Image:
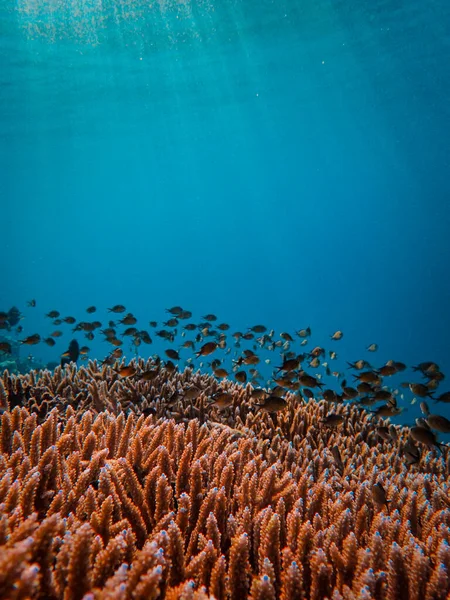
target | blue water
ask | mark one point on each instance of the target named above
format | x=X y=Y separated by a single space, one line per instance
x=277 y=162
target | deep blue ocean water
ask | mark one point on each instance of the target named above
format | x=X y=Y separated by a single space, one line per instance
x=284 y=163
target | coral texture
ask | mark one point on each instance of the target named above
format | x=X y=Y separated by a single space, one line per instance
x=117 y=488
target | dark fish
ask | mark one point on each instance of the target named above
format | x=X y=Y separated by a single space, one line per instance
x=333 y=420
x=369 y=377
x=439 y=423
x=31 y=340
x=387 y=370
x=206 y=349
x=31 y=303
x=127 y=371
x=290 y=364
x=241 y=376
x=145 y=337
x=222 y=400
x=258 y=329
x=175 y=310
x=379 y=494
x=286 y=336
x=50 y=341
x=421 y=390
x=425 y=408
x=337 y=458
x=53 y=314
x=210 y=317
x=5 y=347
x=171 y=322
x=445 y=397
x=129 y=319
x=185 y=314
x=72 y=353
x=172 y=354
x=14 y=316
x=91 y=309
x=273 y=404
x=309 y=381
x=149 y=375
x=118 y=308
x=424 y=436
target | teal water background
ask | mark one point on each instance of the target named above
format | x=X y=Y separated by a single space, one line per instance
x=277 y=162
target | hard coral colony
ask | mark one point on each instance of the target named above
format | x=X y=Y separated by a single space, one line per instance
x=121 y=487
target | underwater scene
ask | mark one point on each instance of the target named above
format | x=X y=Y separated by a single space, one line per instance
x=224 y=309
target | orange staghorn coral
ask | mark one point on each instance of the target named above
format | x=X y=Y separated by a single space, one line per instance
x=116 y=488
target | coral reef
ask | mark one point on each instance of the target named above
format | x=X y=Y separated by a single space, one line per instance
x=141 y=487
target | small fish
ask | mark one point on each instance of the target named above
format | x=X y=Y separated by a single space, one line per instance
x=50 y=341
x=369 y=377
x=173 y=354
x=333 y=420
x=149 y=375
x=220 y=373
x=358 y=365
x=31 y=340
x=445 y=397
x=372 y=347
x=127 y=371
x=222 y=400
x=421 y=390
x=91 y=309
x=424 y=436
x=337 y=335
x=207 y=349
x=175 y=310
x=387 y=370
x=337 y=458
x=69 y=320
x=56 y=334
x=304 y=332
x=330 y=396
x=439 y=423
x=384 y=433
x=191 y=393
x=424 y=408
x=379 y=495
x=290 y=364
x=273 y=404
x=309 y=381
x=71 y=355
x=258 y=329
x=185 y=314
x=5 y=347
x=53 y=314
x=129 y=319
x=118 y=308
x=241 y=376
x=210 y=317
x=171 y=322
x=31 y=303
